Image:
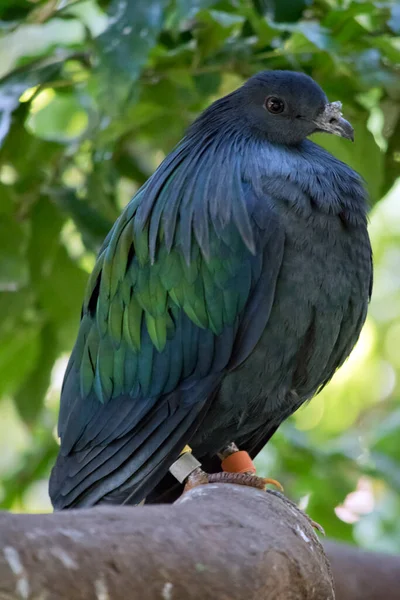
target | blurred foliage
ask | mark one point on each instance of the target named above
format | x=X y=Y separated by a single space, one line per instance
x=92 y=96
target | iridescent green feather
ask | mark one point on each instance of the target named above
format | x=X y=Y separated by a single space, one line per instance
x=88 y=361
x=191 y=271
x=103 y=379
x=158 y=294
x=120 y=258
x=115 y=320
x=141 y=243
x=171 y=272
x=130 y=370
x=157 y=329
x=177 y=294
x=92 y=281
x=142 y=288
x=145 y=364
x=194 y=303
x=132 y=324
x=214 y=302
x=85 y=327
x=120 y=359
x=231 y=302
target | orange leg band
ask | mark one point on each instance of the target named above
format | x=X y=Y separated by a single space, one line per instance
x=238 y=462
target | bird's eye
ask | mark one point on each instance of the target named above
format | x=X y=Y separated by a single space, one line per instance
x=274 y=105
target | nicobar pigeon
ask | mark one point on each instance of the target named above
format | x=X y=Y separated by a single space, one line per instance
x=228 y=292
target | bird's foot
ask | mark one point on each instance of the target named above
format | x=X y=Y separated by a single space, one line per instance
x=238 y=462
x=200 y=477
x=237 y=468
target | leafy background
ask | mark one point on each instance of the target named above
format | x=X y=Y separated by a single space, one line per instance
x=92 y=96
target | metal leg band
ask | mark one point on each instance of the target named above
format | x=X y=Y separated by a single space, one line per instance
x=184 y=466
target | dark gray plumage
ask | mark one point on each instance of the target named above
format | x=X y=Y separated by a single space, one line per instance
x=233 y=286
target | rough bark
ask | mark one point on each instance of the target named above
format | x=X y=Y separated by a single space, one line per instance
x=220 y=542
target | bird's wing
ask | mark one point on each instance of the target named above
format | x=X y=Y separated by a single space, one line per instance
x=167 y=307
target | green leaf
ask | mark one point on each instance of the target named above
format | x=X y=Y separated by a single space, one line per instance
x=60 y=295
x=90 y=14
x=389 y=46
x=307 y=36
x=61 y=117
x=14 y=9
x=13 y=87
x=13 y=263
x=372 y=72
x=282 y=11
x=188 y=9
x=91 y=224
x=392 y=158
x=208 y=83
x=34 y=464
x=18 y=354
x=31 y=40
x=394 y=21
x=46 y=224
x=30 y=395
x=214 y=27
x=123 y=49
x=101 y=186
x=44 y=155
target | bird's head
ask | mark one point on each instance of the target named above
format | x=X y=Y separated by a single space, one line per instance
x=287 y=107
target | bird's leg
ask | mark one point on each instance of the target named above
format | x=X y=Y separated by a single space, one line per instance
x=228 y=451
x=237 y=468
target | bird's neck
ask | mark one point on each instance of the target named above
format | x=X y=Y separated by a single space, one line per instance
x=220 y=173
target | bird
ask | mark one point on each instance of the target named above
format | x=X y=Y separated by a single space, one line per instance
x=227 y=294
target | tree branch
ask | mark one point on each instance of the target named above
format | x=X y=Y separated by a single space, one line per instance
x=360 y=574
x=220 y=542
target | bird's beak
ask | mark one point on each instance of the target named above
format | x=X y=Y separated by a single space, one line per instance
x=331 y=121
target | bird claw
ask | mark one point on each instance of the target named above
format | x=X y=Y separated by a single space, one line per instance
x=317 y=526
x=200 y=477
x=275 y=482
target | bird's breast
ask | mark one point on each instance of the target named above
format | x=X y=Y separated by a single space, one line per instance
x=318 y=309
